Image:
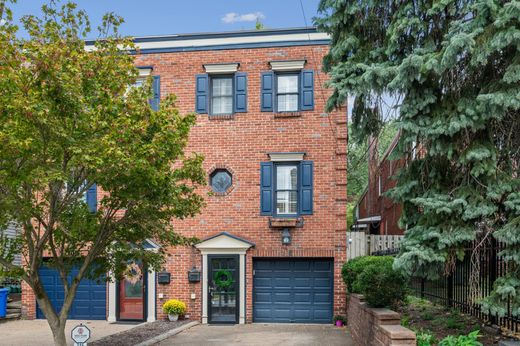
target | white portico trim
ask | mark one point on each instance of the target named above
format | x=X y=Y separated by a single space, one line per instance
x=150 y=291
x=224 y=244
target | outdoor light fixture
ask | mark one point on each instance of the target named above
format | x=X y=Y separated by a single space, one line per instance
x=286 y=237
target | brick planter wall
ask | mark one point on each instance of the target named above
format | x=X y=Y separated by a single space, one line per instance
x=376 y=327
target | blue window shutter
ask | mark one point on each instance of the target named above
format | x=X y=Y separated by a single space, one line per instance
x=307 y=92
x=306 y=187
x=240 y=92
x=156 y=87
x=201 y=93
x=267 y=91
x=266 y=188
x=92 y=198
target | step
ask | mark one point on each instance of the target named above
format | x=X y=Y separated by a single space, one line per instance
x=14 y=305
x=14 y=310
x=14 y=316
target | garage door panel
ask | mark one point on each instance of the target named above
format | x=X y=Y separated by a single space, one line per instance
x=263 y=282
x=322 y=283
x=302 y=314
x=302 y=283
x=301 y=290
x=281 y=283
x=322 y=298
x=322 y=266
x=302 y=298
x=302 y=266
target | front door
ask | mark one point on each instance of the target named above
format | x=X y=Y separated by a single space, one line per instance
x=131 y=297
x=223 y=278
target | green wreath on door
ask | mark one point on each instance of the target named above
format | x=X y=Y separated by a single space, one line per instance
x=223 y=279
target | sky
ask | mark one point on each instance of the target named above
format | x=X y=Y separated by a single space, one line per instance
x=163 y=17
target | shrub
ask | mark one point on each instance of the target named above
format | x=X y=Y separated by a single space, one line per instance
x=381 y=285
x=354 y=267
x=462 y=340
x=425 y=338
x=174 y=307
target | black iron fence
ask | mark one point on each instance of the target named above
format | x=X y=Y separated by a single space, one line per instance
x=481 y=267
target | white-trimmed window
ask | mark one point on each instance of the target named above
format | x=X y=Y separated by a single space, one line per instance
x=286 y=189
x=287 y=92
x=221 y=95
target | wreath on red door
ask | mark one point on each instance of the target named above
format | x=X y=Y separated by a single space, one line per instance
x=223 y=279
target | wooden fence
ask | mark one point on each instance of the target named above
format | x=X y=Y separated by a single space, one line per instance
x=361 y=244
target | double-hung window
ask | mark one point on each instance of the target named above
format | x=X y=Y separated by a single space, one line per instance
x=286 y=191
x=286 y=186
x=288 y=87
x=221 y=95
x=287 y=92
x=222 y=90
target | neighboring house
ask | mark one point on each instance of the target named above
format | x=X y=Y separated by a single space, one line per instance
x=12 y=232
x=375 y=213
x=273 y=233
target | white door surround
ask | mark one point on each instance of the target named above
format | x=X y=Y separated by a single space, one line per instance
x=150 y=292
x=224 y=244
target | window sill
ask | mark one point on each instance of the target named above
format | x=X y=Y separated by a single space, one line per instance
x=217 y=117
x=285 y=222
x=288 y=115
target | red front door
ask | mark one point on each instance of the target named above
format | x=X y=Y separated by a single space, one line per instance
x=131 y=300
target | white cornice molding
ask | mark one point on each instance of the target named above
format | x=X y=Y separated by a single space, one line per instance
x=145 y=72
x=286 y=157
x=289 y=65
x=221 y=68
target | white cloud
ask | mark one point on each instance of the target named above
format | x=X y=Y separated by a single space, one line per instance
x=233 y=17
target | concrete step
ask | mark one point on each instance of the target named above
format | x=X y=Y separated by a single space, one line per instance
x=14 y=305
x=14 y=316
x=14 y=310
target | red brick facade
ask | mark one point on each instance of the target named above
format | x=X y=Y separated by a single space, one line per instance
x=373 y=203
x=240 y=143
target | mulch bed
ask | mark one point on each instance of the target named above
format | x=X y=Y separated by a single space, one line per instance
x=138 y=334
x=419 y=314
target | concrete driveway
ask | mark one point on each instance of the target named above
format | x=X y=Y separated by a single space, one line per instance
x=37 y=332
x=262 y=334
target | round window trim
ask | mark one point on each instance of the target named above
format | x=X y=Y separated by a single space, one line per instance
x=221 y=180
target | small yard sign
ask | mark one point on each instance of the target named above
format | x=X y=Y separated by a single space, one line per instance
x=80 y=334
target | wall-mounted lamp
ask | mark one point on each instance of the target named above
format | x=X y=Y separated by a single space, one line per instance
x=286 y=237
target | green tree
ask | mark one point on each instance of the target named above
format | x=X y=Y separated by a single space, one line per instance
x=70 y=118
x=456 y=65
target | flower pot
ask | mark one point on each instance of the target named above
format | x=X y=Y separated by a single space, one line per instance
x=339 y=323
x=173 y=317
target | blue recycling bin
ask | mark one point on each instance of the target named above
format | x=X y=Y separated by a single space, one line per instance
x=3 y=301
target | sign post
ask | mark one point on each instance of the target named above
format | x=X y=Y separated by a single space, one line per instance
x=80 y=335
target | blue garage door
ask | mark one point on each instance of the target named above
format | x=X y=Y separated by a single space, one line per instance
x=293 y=290
x=90 y=300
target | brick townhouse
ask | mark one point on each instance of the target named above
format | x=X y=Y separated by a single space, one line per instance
x=272 y=237
x=376 y=213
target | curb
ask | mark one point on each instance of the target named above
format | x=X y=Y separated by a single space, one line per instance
x=168 y=334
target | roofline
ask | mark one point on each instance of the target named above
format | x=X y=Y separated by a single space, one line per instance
x=222 y=34
x=229 y=235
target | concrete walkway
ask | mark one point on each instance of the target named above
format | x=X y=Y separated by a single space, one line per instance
x=37 y=332
x=262 y=334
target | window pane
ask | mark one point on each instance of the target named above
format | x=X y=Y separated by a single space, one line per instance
x=286 y=177
x=287 y=103
x=286 y=202
x=222 y=87
x=222 y=105
x=287 y=84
